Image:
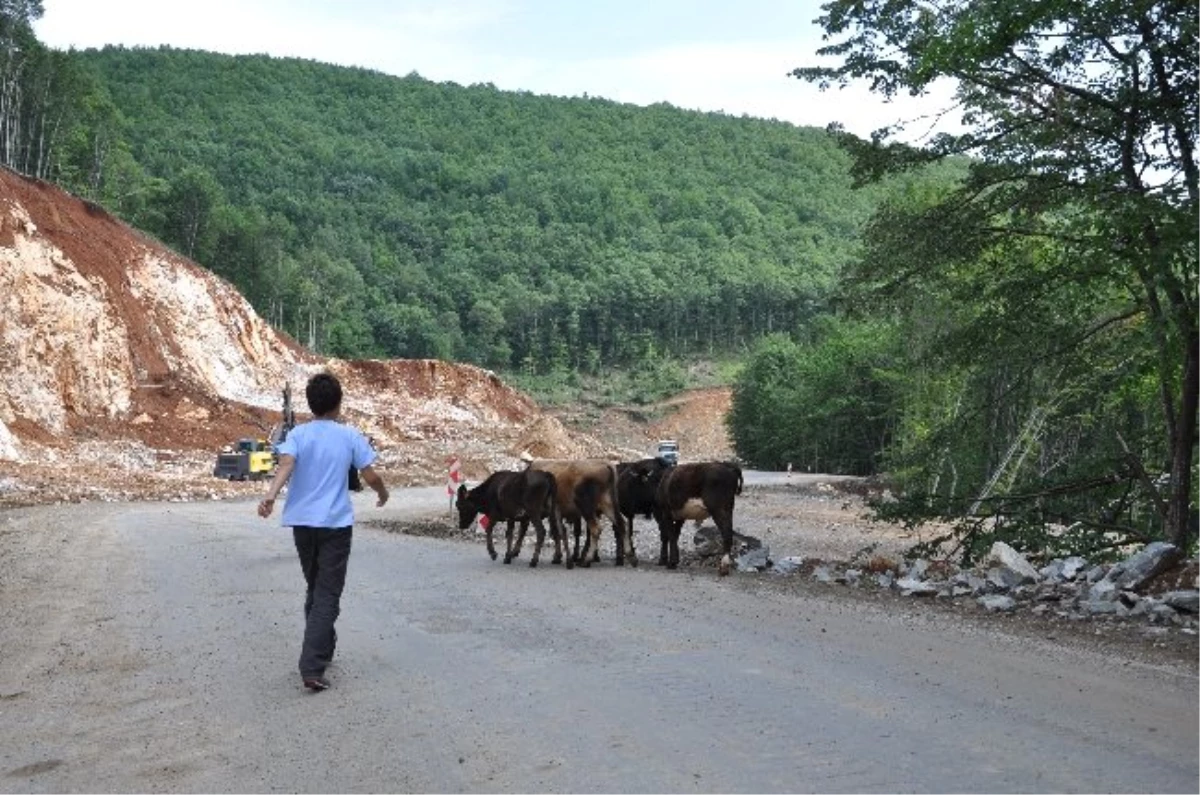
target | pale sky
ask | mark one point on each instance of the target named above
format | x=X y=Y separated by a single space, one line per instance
x=730 y=56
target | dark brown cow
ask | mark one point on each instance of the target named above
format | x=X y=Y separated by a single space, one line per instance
x=637 y=486
x=515 y=497
x=587 y=490
x=696 y=491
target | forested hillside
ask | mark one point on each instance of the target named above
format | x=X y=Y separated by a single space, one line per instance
x=375 y=215
x=1020 y=353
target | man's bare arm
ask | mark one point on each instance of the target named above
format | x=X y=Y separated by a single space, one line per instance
x=372 y=479
x=283 y=472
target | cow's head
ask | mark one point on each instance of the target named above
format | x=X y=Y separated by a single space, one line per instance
x=646 y=475
x=651 y=470
x=468 y=505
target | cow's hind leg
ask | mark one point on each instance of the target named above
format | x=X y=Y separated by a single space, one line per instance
x=586 y=510
x=540 y=529
x=625 y=538
x=556 y=536
x=673 y=544
x=664 y=535
x=575 y=523
x=508 y=545
x=593 y=543
x=521 y=538
x=562 y=544
x=491 y=549
x=619 y=534
x=724 y=522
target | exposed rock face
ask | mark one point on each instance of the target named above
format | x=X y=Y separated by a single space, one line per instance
x=8 y=443
x=107 y=336
x=94 y=314
x=61 y=349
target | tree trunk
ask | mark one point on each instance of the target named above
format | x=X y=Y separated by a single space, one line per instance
x=1179 y=501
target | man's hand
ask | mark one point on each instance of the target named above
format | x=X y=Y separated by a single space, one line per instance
x=372 y=479
x=283 y=473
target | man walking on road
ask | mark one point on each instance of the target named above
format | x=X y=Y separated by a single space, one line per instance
x=316 y=457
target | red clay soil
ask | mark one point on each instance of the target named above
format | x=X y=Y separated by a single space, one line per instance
x=696 y=419
x=98 y=244
x=420 y=411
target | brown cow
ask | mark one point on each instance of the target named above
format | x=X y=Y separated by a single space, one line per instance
x=696 y=491
x=587 y=490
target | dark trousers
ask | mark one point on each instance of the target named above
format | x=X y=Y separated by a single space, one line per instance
x=324 y=553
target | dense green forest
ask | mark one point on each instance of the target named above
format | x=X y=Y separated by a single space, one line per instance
x=371 y=215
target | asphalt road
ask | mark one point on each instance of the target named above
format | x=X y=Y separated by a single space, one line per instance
x=152 y=647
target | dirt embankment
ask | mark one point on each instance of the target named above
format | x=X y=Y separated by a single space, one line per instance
x=127 y=367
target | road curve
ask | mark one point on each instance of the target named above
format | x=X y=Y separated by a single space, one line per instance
x=152 y=647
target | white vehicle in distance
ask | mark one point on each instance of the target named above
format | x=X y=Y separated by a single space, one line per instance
x=668 y=450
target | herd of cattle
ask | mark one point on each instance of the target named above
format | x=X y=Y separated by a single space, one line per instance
x=581 y=492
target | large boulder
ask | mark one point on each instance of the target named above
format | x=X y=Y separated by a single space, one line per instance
x=1131 y=573
x=1183 y=601
x=1015 y=568
x=910 y=586
x=787 y=565
x=708 y=542
x=1103 y=591
x=1073 y=567
x=973 y=583
x=997 y=603
x=757 y=559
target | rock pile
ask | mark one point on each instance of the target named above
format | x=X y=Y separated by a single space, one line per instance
x=1071 y=588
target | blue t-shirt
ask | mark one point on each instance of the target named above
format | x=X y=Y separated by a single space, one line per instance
x=319 y=490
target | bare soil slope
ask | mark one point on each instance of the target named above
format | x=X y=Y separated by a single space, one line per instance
x=128 y=366
x=695 y=418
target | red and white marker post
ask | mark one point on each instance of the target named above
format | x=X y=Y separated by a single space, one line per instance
x=453 y=478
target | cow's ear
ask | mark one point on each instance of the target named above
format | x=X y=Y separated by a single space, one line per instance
x=462 y=490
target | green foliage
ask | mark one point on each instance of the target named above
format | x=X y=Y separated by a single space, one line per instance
x=655 y=378
x=826 y=406
x=1049 y=302
x=519 y=232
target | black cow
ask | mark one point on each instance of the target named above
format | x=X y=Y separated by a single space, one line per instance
x=514 y=497
x=696 y=491
x=637 y=485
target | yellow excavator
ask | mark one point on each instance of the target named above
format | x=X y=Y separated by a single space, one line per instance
x=249 y=459
x=256 y=458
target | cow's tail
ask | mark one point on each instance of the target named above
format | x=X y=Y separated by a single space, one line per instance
x=619 y=526
x=550 y=507
x=738 y=470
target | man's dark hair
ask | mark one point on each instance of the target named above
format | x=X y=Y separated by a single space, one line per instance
x=324 y=394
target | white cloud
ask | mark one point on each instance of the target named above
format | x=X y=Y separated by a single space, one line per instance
x=750 y=78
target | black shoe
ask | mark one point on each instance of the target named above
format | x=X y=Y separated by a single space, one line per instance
x=316 y=683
